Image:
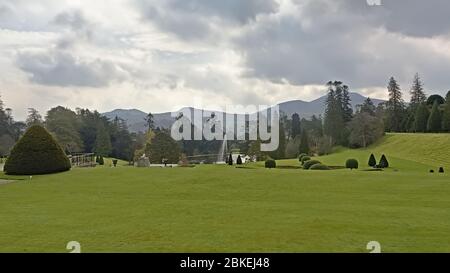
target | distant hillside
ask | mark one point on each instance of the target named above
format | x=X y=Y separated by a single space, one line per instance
x=136 y=118
x=317 y=107
x=413 y=152
x=428 y=149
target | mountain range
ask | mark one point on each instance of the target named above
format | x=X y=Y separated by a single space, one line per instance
x=135 y=118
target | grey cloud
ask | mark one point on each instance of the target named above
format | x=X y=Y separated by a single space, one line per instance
x=423 y=18
x=196 y=19
x=329 y=40
x=73 y=19
x=63 y=69
x=419 y=18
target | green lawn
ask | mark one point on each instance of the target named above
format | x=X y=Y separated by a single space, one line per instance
x=226 y=209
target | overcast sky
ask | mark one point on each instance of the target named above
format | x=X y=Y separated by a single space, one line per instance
x=157 y=55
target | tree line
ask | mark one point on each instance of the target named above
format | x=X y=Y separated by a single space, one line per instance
x=80 y=131
x=86 y=131
x=421 y=115
x=355 y=128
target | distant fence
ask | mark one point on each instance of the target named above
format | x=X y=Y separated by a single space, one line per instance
x=206 y=158
x=83 y=160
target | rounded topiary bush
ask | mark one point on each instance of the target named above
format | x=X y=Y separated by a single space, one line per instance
x=320 y=167
x=37 y=152
x=352 y=164
x=270 y=164
x=308 y=164
x=300 y=157
x=305 y=158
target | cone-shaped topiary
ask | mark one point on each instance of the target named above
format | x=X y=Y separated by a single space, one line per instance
x=230 y=160
x=239 y=160
x=37 y=152
x=384 y=162
x=372 y=161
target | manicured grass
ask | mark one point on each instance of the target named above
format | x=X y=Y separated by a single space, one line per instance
x=229 y=209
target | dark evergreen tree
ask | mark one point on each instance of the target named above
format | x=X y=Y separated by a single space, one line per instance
x=149 y=119
x=230 y=160
x=295 y=126
x=304 y=143
x=34 y=118
x=102 y=145
x=372 y=161
x=421 y=118
x=446 y=114
x=435 y=120
x=64 y=124
x=347 y=108
x=417 y=92
x=431 y=99
x=395 y=107
x=368 y=107
x=334 y=124
x=163 y=146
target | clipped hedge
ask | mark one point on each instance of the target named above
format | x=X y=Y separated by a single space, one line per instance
x=320 y=167
x=305 y=158
x=37 y=152
x=352 y=164
x=270 y=164
x=308 y=164
x=300 y=157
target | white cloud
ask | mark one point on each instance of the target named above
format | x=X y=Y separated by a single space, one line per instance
x=156 y=55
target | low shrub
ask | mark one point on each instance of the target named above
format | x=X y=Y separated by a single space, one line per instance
x=301 y=156
x=431 y=171
x=308 y=164
x=270 y=164
x=352 y=164
x=305 y=158
x=115 y=162
x=320 y=167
